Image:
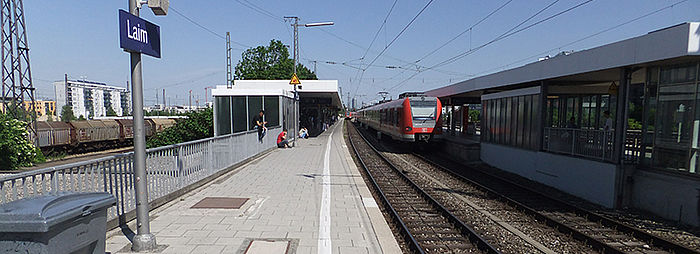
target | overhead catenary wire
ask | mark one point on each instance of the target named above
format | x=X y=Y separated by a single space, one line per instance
x=501 y=37
x=260 y=10
x=586 y=37
x=394 y=39
x=190 y=80
x=465 y=31
x=361 y=70
x=401 y=32
x=205 y=28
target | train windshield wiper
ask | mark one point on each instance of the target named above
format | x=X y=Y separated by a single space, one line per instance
x=429 y=117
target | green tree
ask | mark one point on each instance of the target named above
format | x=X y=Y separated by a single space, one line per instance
x=81 y=118
x=197 y=125
x=271 y=62
x=49 y=117
x=110 y=112
x=67 y=113
x=15 y=148
x=474 y=115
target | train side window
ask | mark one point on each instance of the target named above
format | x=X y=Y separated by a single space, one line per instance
x=396 y=117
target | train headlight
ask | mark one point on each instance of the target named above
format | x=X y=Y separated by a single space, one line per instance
x=408 y=128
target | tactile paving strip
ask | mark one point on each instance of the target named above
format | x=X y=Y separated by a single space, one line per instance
x=220 y=203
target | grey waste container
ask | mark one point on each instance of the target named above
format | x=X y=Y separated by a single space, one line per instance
x=62 y=223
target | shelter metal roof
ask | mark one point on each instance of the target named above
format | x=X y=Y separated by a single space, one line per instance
x=673 y=42
x=310 y=88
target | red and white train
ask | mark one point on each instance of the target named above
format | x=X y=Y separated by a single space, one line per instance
x=413 y=117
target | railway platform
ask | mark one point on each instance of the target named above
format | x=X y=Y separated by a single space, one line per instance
x=307 y=199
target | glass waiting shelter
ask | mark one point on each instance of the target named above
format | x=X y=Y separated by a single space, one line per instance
x=671 y=120
x=235 y=109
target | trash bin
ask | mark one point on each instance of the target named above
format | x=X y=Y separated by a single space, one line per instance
x=61 y=223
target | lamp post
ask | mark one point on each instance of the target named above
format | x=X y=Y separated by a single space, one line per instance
x=296 y=26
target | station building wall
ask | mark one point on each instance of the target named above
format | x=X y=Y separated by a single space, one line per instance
x=666 y=195
x=591 y=180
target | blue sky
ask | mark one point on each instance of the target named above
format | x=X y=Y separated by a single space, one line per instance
x=80 y=38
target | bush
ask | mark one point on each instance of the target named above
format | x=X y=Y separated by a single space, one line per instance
x=15 y=148
x=197 y=125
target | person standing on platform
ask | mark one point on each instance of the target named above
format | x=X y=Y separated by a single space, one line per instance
x=608 y=125
x=282 y=140
x=572 y=123
x=259 y=122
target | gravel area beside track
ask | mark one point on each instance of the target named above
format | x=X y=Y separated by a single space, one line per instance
x=622 y=241
x=506 y=240
x=660 y=227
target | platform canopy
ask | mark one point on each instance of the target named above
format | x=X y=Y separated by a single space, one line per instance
x=666 y=45
x=309 y=89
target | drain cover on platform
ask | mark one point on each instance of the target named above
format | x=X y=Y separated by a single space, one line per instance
x=267 y=247
x=220 y=203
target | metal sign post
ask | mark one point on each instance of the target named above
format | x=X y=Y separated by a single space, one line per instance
x=138 y=36
x=296 y=60
x=295 y=82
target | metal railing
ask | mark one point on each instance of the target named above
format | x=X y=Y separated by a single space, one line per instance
x=596 y=144
x=633 y=146
x=169 y=169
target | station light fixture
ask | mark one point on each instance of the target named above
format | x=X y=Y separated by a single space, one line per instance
x=159 y=7
x=319 y=24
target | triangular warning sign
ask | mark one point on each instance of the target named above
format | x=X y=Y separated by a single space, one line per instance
x=295 y=80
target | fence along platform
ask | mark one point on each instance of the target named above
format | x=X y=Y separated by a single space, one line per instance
x=170 y=169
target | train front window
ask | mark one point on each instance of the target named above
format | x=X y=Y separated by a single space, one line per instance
x=423 y=110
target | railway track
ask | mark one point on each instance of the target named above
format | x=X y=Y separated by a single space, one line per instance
x=545 y=224
x=426 y=226
x=605 y=234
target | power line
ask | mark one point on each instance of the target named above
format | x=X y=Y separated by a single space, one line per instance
x=501 y=37
x=205 y=28
x=190 y=80
x=508 y=34
x=401 y=32
x=380 y=28
x=361 y=70
x=588 y=36
x=465 y=31
x=394 y=40
x=260 y=10
x=406 y=62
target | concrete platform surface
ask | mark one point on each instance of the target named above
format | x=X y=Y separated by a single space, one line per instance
x=308 y=199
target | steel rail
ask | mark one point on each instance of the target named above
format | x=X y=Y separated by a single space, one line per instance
x=589 y=215
x=413 y=243
x=474 y=237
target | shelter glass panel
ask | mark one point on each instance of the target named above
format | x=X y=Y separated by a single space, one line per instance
x=239 y=114
x=501 y=120
x=272 y=108
x=254 y=106
x=675 y=123
x=521 y=121
x=671 y=123
x=535 y=124
x=507 y=120
x=223 y=116
x=511 y=121
x=484 y=124
x=649 y=123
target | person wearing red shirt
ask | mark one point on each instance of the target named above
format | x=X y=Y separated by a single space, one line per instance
x=282 y=140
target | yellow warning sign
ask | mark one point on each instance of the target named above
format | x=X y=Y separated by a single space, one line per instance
x=295 y=80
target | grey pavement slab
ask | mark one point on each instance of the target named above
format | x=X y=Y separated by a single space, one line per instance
x=286 y=201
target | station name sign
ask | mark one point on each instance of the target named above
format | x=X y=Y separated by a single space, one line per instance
x=138 y=35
